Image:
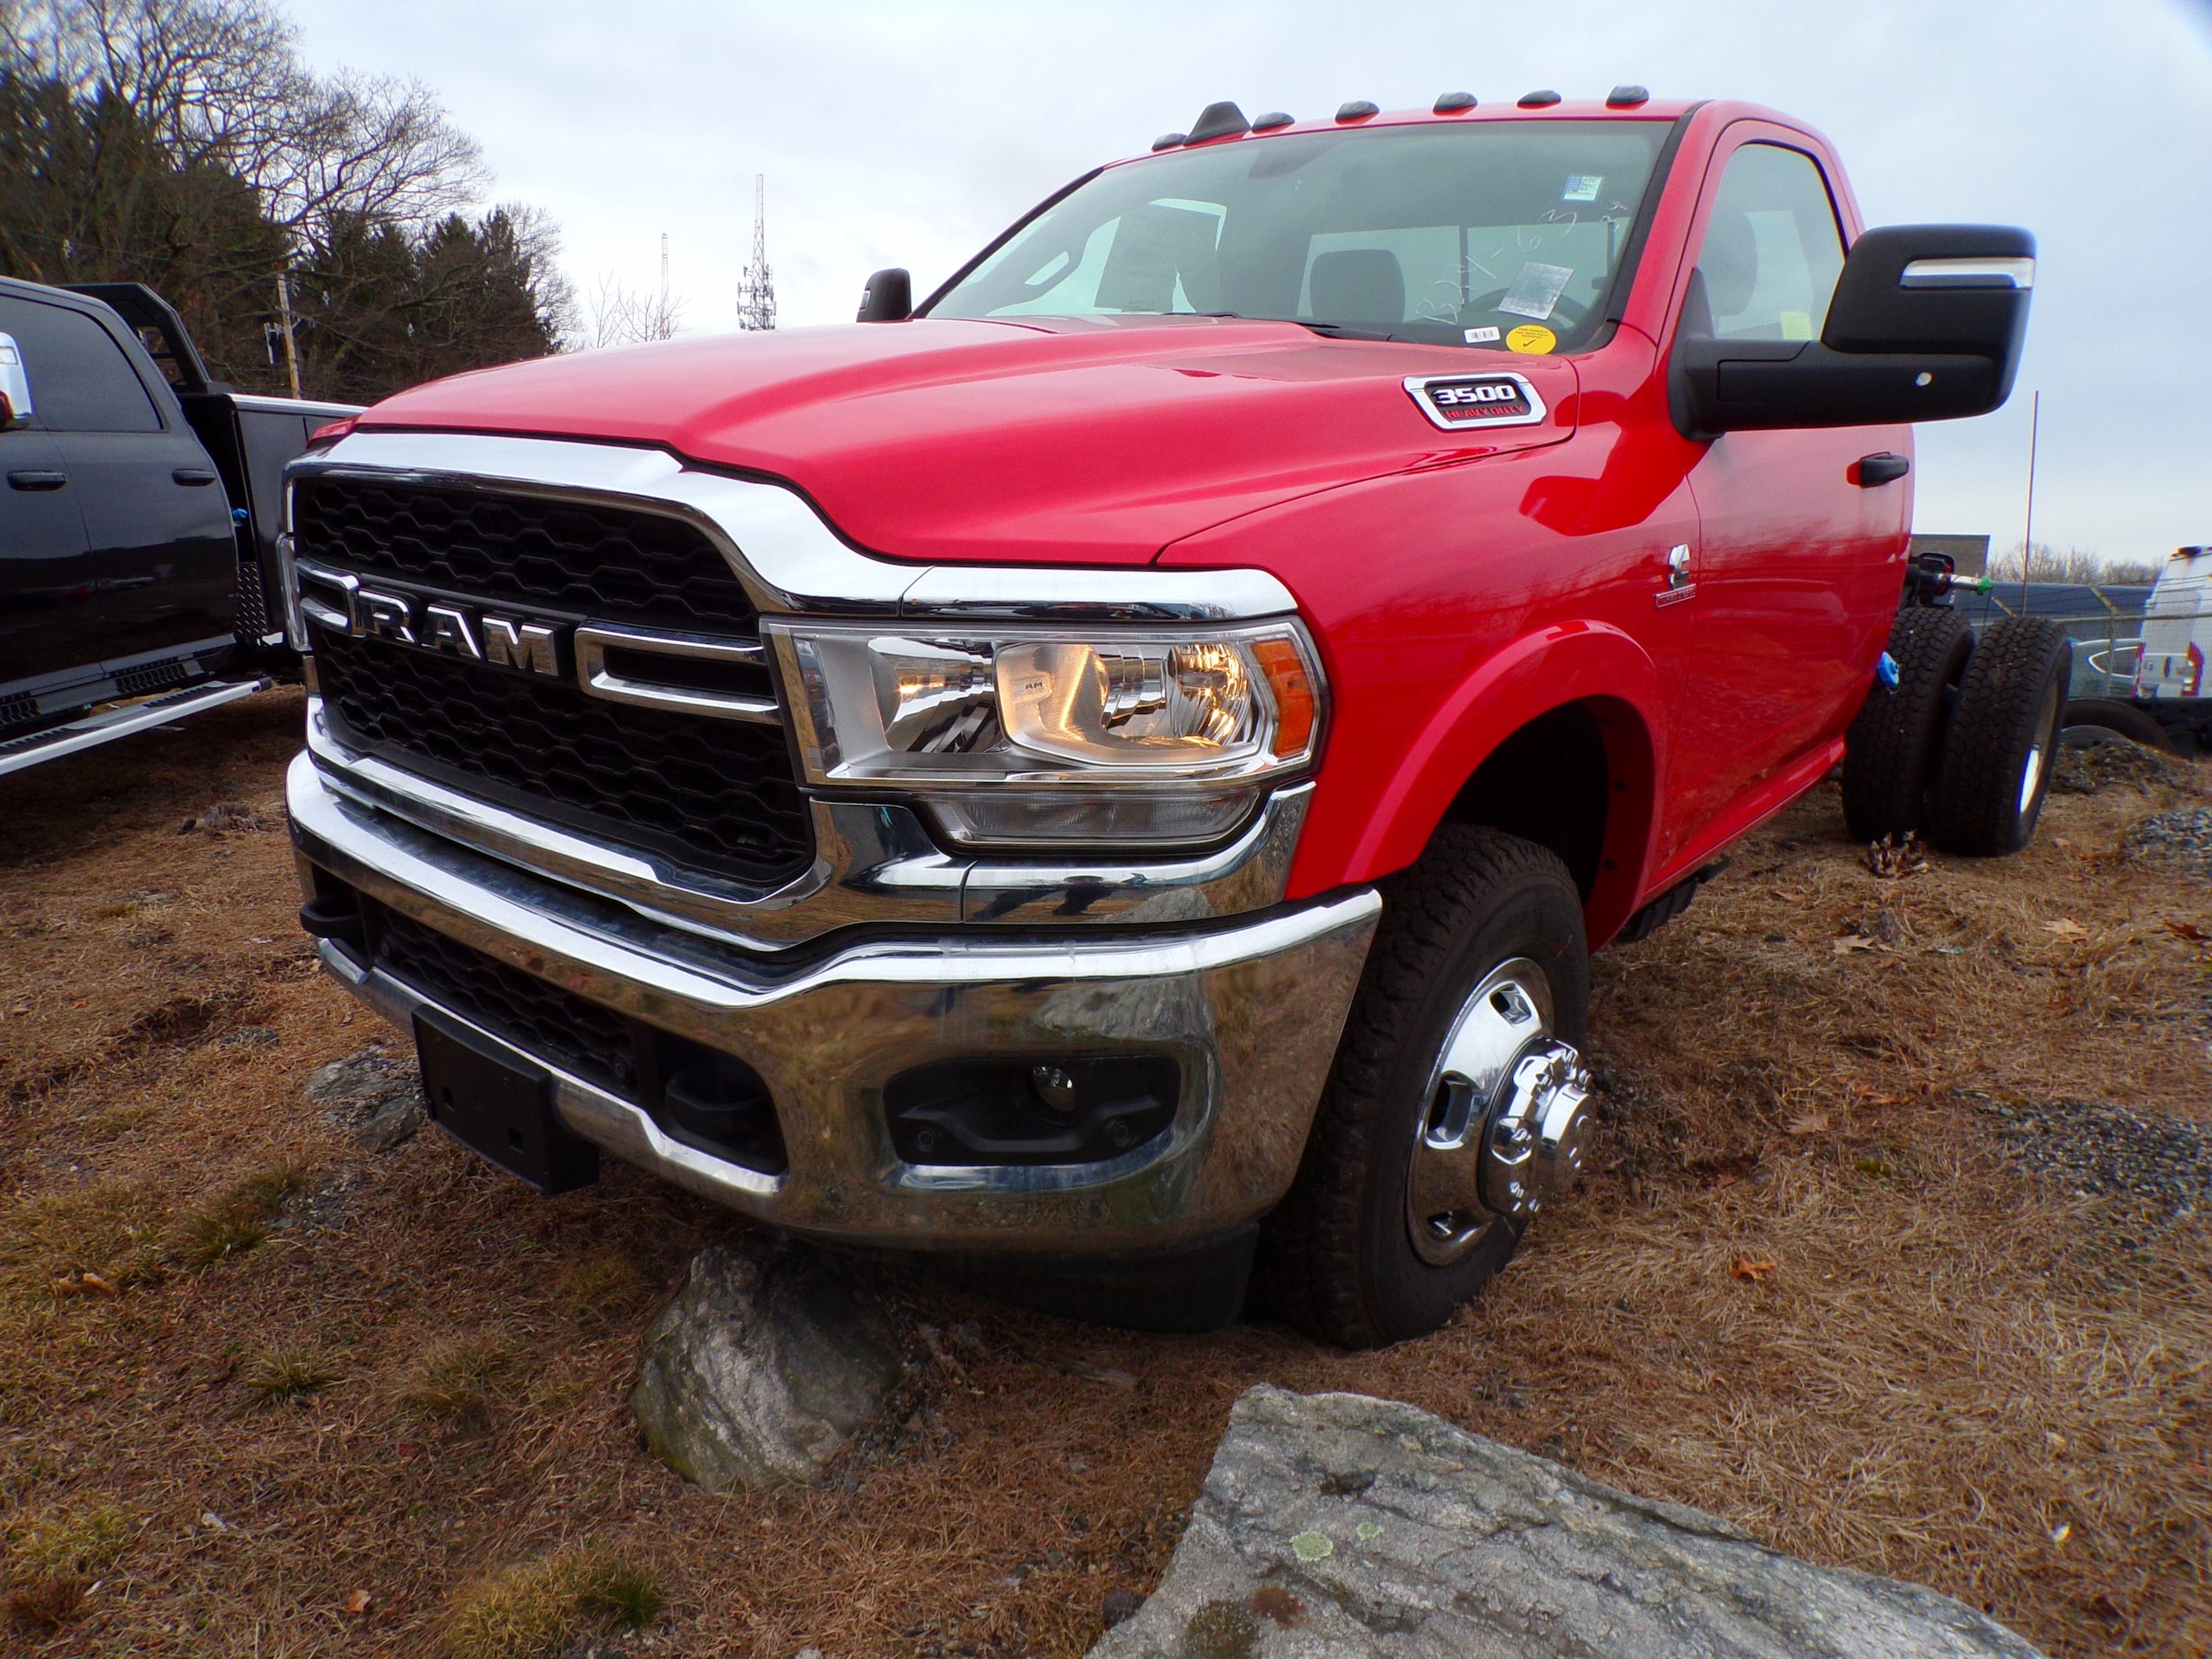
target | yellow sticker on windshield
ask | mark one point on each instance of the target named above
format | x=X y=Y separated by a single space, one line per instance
x=1530 y=339
x=1797 y=325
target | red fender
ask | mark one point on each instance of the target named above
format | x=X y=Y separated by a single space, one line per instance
x=1593 y=663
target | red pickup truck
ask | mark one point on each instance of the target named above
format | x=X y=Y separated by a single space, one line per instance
x=1113 y=775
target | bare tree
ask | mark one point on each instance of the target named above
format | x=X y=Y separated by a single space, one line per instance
x=616 y=315
x=220 y=83
x=183 y=143
x=2082 y=566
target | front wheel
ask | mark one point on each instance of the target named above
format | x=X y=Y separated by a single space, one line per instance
x=1456 y=1102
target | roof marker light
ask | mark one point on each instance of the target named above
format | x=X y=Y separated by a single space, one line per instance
x=1273 y=119
x=1453 y=102
x=1626 y=98
x=1217 y=121
x=1542 y=100
x=1358 y=109
x=1168 y=140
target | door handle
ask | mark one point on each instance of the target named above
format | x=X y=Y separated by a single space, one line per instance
x=193 y=475
x=1871 y=472
x=33 y=479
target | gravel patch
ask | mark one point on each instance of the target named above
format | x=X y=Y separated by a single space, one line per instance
x=2122 y=765
x=2179 y=841
x=2103 y=1151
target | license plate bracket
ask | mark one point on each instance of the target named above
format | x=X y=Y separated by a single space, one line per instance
x=498 y=1102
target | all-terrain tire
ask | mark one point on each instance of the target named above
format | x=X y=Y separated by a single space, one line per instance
x=1895 y=749
x=2004 y=738
x=1336 y=1259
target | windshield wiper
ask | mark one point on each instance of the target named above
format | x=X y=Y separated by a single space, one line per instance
x=1334 y=331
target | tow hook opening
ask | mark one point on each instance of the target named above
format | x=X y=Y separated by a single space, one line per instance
x=715 y=1102
x=334 y=914
x=1030 y=1109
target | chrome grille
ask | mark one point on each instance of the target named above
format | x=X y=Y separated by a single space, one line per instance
x=708 y=794
x=586 y=561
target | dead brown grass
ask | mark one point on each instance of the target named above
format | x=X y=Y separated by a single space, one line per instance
x=1952 y=1371
x=536 y=1610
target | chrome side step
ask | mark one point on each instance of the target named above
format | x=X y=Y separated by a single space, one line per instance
x=122 y=721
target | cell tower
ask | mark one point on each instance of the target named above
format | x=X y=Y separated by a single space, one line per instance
x=756 y=284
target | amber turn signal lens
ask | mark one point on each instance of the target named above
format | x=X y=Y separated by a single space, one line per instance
x=1293 y=687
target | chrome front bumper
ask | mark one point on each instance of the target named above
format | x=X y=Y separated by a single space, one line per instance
x=1251 y=1010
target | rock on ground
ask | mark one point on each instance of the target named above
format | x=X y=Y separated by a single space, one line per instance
x=372 y=1094
x=1341 y=1525
x=762 y=1367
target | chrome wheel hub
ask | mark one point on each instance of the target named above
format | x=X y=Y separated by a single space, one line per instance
x=2047 y=726
x=1503 y=1125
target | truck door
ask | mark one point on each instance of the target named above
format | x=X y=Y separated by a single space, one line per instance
x=157 y=568
x=41 y=543
x=1797 y=569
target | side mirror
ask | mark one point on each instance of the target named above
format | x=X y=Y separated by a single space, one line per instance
x=15 y=386
x=888 y=297
x=1927 y=324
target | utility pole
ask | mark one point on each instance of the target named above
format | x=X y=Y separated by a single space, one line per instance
x=756 y=284
x=2027 y=535
x=284 y=310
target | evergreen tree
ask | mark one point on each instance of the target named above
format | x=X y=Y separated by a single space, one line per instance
x=181 y=143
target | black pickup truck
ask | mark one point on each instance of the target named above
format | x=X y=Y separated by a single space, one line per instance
x=138 y=580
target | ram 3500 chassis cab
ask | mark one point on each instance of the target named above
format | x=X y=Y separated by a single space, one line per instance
x=1122 y=767
x=138 y=521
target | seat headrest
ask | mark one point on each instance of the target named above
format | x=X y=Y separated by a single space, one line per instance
x=1360 y=286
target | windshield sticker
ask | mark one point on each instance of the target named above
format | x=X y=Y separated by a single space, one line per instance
x=1797 y=325
x=1536 y=290
x=1531 y=339
x=1455 y=401
x=1484 y=336
x=1583 y=187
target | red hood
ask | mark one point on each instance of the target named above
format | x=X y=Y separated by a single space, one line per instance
x=1080 y=443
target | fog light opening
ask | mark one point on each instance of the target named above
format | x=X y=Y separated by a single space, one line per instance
x=1069 y=1110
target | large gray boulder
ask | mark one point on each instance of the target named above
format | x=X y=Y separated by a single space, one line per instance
x=372 y=1096
x=762 y=1367
x=1341 y=1525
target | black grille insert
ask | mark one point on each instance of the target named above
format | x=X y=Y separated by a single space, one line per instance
x=607 y=563
x=705 y=1099
x=537 y=1017
x=712 y=794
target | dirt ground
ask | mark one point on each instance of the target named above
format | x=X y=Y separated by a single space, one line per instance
x=264 y=1392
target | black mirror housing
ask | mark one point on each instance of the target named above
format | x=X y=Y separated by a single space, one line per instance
x=888 y=297
x=1927 y=324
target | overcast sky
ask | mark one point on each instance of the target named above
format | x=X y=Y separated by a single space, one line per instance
x=906 y=134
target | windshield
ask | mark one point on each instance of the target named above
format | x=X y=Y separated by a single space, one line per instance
x=1502 y=235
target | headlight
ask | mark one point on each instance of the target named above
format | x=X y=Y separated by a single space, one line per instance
x=1048 y=737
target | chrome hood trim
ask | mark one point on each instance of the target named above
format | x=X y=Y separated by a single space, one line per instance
x=790 y=559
